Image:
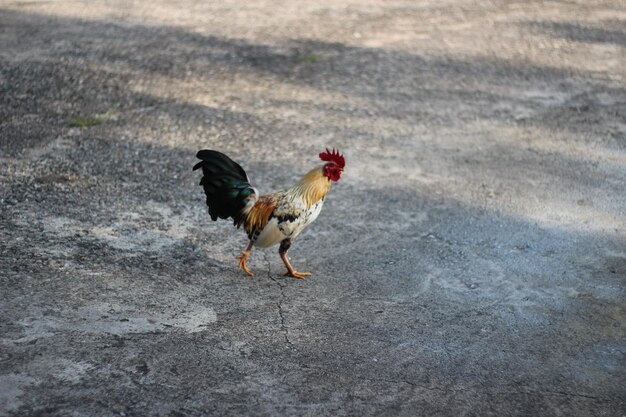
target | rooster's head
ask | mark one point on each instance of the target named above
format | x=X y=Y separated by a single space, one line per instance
x=335 y=164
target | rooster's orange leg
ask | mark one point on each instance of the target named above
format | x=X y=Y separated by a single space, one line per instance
x=284 y=246
x=244 y=257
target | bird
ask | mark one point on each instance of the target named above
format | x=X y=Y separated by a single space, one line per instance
x=268 y=219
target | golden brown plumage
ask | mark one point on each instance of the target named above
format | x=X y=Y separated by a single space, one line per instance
x=312 y=187
x=259 y=214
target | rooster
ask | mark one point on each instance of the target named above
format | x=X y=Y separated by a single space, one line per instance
x=268 y=219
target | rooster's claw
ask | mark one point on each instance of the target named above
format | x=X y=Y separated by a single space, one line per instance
x=242 y=262
x=298 y=275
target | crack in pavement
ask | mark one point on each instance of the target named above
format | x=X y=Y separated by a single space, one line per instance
x=568 y=394
x=404 y=381
x=283 y=324
x=521 y=391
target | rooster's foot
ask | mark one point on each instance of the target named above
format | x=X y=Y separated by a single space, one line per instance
x=296 y=274
x=242 y=262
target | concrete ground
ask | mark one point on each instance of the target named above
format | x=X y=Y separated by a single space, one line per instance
x=471 y=261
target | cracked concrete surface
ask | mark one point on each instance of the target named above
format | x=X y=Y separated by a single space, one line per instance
x=471 y=261
x=279 y=304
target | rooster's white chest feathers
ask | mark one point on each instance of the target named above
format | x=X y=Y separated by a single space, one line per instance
x=287 y=221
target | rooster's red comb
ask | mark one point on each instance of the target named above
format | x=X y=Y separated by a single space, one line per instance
x=333 y=156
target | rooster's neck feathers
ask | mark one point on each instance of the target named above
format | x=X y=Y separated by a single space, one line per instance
x=312 y=187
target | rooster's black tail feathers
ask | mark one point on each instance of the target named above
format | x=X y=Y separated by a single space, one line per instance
x=226 y=185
